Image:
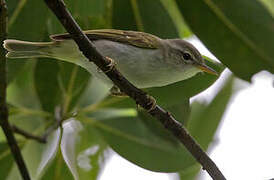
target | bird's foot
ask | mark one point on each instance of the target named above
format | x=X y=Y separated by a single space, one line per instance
x=111 y=65
x=151 y=104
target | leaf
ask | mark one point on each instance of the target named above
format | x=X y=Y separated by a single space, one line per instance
x=69 y=143
x=6 y=160
x=86 y=8
x=59 y=83
x=81 y=150
x=130 y=138
x=137 y=15
x=95 y=92
x=242 y=40
x=88 y=14
x=174 y=93
x=11 y=6
x=181 y=113
x=49 y=152
x=135 y=139
x=190 y=173
x=58 y=170
x=46 y=83
x=75 y=80
x=122 y=15
x=172 y=9
x=21 y=92
x=269 y=5
x=32 y=29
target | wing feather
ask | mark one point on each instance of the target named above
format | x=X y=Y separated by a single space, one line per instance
x=134 y=38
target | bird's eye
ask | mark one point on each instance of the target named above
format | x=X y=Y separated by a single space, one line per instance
x=186 y=56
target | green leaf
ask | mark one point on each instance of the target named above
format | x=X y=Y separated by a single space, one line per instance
x=95 y=92
x=49 y=152
x=135 y=139
x=86 y=8
x=137 y=15
x=233 y=32
x=46 y=83
x=73 y=81
x=21 y=91
x=59 y=83
x=181 y=113
x=172 y=8
x=129 y=137
x=58 y=170
x=6 y=160
x=23 y=26
x=88 y=14
x=122 y=15
x=269 y=5
x=71 y=129
x=81 y=150
x=189 y=173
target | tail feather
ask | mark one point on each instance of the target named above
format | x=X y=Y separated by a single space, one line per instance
x=25 y=49
x=25 y=54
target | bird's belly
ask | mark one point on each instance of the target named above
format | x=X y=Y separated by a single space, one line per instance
x=140 y=66
x=143 y=67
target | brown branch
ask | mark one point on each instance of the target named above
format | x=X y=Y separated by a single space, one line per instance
x=3 y=106
x=141 y=98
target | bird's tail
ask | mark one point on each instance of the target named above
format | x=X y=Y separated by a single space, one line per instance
x=25 y=49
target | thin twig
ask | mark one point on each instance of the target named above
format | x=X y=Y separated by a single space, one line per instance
x=28 y=135
x=141 y=98
x=3 y=106
x=49 y=130
x=58 y=122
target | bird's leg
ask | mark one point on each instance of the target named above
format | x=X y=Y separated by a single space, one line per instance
x=115 y=91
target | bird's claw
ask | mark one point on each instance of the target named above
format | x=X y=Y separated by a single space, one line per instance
x=111 y=65
x=152 y=104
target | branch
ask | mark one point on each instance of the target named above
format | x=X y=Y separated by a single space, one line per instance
x=28 y=135
x=141 y=98
x=3 y=106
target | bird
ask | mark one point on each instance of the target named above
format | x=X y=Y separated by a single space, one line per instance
x=144 y=59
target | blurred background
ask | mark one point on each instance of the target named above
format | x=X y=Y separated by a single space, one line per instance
x=105 y=137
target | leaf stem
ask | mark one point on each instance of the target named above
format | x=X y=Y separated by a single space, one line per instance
x=68 y=94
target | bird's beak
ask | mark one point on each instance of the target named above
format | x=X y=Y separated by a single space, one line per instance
x=207 y=69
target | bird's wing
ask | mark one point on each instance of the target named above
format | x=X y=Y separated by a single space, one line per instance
x=134 y=38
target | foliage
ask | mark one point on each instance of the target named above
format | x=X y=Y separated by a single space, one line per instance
x=237 y=32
